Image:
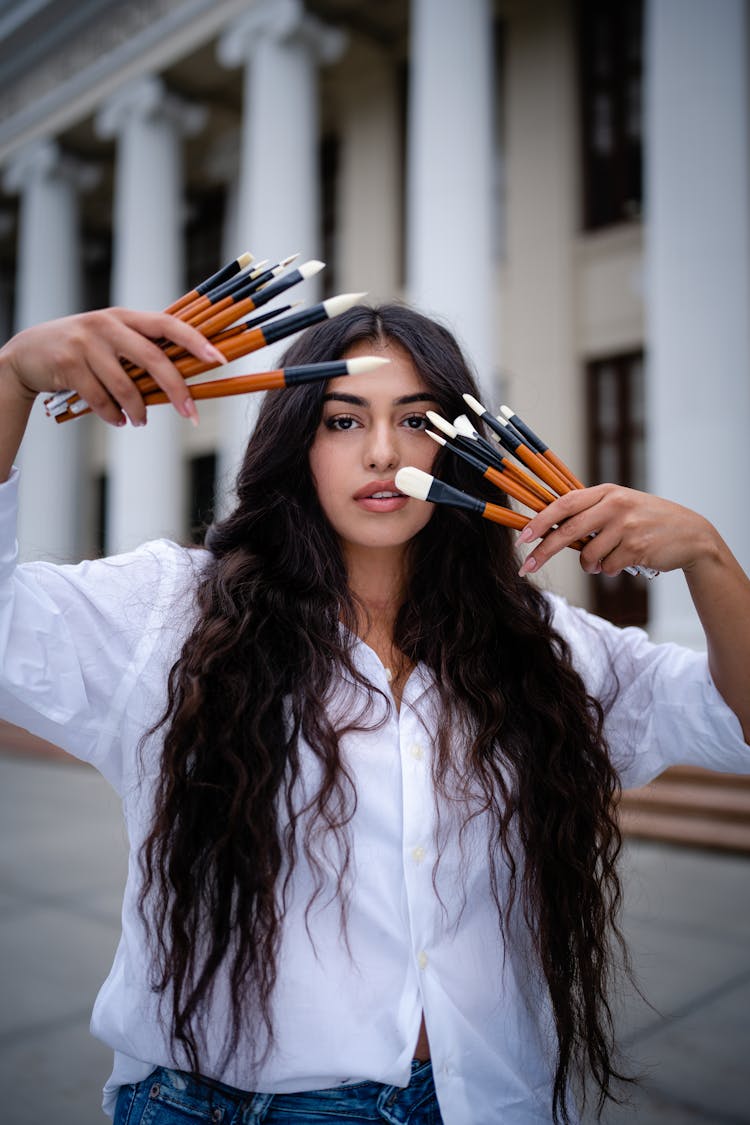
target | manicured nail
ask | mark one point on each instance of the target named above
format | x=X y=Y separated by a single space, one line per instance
x=213 y=354
x=526 y=536
x=190 y=411
x=527 y=566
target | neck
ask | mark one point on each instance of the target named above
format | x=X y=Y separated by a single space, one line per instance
x=377 y=580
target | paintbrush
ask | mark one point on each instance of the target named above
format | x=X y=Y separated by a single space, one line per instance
x=423 y=486
x=274 y=380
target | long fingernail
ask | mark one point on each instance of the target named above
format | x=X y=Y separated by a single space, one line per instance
x=526 y=535
x=190 y=411
x=528 y=565
x=213 y=354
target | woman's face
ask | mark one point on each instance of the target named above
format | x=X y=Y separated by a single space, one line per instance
x=371 y=426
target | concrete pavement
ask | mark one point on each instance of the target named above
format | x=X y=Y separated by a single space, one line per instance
x=62 y=867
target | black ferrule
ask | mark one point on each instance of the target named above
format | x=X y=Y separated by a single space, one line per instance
x=219 y=278
x=442 y=493
x=270 y=291
x=507 y=438
x=237 y=283
x=261 y=318
x=493 y=453
x=459 y=445
x=527 y=434
x=294 y=323
x=312 y=372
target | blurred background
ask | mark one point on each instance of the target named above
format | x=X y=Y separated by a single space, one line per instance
x=566 y=184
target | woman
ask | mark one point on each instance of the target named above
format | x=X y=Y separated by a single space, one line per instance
x=367 y=769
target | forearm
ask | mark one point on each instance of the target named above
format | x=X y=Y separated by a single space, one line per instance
x=15 y=407
x=720 y=590
x=621 y=527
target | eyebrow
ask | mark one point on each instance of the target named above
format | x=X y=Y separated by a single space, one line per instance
x=355 y=400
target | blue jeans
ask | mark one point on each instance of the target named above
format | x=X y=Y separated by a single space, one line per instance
x=171 y=1097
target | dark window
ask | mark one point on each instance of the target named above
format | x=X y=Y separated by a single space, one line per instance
x=101 y=513
x=97 y=269
x=201 y=495
x=617 y=454
x=611 y=82
x=203 y=235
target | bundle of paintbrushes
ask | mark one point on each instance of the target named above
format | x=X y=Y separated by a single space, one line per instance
x=216 y=308
x=504 y=462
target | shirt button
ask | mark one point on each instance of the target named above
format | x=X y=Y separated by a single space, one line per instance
x=422 y=959
x=418 y=855
x=416 y=751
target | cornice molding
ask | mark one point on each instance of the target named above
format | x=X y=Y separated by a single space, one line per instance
x=133 y=40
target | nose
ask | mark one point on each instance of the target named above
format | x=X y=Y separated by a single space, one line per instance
x=381 y=452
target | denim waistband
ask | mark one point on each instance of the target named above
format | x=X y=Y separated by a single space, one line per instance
x=168 y=1096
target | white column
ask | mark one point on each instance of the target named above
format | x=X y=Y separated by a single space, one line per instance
x=698 y=275
x=369 y=204
x=539 y=346
x=49 y=286
x=449 y=169
x=146 y=487
x=280 y=47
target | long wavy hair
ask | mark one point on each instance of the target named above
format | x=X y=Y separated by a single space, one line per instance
x=251 y=680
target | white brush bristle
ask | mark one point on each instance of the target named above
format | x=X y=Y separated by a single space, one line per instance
x=344 y=301
x=474 y=404
x=507 y=412
x=441 y=423
x=414 y=482
x=436 y=437
x=289 y=259
x=244 y=259
x=464 y=427
x=365 y=363
x=309 y=269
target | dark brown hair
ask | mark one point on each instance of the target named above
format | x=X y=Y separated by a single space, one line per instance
x=249 y=682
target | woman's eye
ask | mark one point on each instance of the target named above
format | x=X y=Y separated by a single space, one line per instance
x=416 y=422
x=341 y=422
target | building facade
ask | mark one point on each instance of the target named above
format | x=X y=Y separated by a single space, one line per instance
x=565 y=182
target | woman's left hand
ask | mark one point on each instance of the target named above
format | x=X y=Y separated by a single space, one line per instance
x=635 y=529
x=629 y=528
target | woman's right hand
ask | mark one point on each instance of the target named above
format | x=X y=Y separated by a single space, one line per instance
x=83 y=353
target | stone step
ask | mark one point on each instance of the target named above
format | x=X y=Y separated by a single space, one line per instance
x=691 y=806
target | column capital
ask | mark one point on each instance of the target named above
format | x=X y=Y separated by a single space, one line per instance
x=282 y=22
x=42 y=159
x=148 y=98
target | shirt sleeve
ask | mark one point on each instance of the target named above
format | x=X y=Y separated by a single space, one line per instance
x=75 y=639
x=661 y=706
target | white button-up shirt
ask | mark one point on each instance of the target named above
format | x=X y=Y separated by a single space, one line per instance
x=85 y=654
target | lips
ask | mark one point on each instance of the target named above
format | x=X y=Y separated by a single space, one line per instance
x=380 y=496
x=378 y=489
